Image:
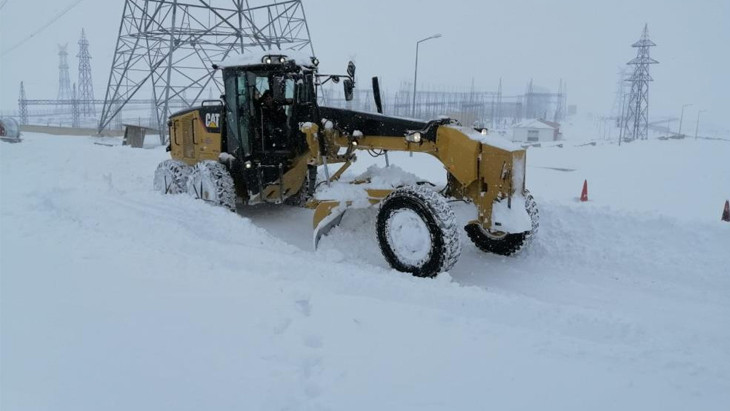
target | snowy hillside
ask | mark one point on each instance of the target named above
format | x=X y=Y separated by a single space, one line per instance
x=117 y=298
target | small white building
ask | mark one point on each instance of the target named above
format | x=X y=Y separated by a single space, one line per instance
x=535 y=131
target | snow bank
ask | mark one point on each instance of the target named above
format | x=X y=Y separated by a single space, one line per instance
x=114 y=297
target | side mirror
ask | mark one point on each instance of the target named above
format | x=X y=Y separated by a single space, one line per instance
x=351 y=70
x=349 y=89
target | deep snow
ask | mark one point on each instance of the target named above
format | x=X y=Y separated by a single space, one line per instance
x=117 y=298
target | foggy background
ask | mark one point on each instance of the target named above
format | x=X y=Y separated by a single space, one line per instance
x=583 y=42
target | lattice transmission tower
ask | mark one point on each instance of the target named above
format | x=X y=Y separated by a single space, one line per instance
x=620 y=97
x=636 y=120
x=86 y=86
x=170 y=45
x=64 y=79
x=23 y=106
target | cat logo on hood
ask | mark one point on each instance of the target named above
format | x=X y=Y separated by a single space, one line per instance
x=212 y=120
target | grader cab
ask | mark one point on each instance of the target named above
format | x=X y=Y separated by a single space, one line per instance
x=269 y=141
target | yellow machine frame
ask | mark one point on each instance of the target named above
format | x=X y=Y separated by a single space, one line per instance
x=477 y=172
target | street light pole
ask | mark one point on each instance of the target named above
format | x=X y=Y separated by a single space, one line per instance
x=415 y=76
x=697 y=128
x=681 y=118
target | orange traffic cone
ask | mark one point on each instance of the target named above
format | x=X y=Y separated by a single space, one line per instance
x=726 y=213
x=584 y=194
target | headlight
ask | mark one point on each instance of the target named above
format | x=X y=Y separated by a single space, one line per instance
x=248 y=165
x=266 y=60
x=315 y=61
x=282 y=59
x=414 y=137
x=484 y=131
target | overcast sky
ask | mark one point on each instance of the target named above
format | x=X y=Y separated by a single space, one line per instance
x=582 y=41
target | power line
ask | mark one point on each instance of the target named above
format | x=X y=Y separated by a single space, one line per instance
x=53 y=20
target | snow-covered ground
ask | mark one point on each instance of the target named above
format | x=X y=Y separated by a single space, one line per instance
x=117 y=298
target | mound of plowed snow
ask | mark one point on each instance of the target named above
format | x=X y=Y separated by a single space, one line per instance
x=118 y=298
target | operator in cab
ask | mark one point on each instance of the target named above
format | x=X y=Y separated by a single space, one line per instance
x=274 y=121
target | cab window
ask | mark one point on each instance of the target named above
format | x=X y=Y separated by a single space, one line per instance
x=262 y=86
x=237 y=110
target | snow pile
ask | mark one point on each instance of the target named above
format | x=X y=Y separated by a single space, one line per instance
x=375 y=177
x=387 y=177
x=114 y=297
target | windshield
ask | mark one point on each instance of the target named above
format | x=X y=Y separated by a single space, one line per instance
x=262 y=85
x=261 y=104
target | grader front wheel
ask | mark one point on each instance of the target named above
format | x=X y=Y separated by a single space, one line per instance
x=503 y=243
x=417 y=232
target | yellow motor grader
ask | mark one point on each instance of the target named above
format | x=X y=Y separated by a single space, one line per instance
x=269 y=141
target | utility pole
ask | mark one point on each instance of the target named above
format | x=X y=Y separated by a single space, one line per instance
x=697 y=127
x=415 y=76
x=499 y=104
x=559 y=107
x=681 y=119
x=623 y=119
x=529 y=102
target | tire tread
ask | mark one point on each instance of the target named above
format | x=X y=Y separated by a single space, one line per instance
x=219 y=174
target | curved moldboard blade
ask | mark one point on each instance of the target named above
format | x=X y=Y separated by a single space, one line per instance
x=327 y=217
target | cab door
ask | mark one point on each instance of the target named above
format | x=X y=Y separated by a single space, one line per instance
x=176 y=147
x=187 y=128
x=238 y=112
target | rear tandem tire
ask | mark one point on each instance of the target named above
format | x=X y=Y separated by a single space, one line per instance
x=171 y=177
x=210 y=181
x=417 y=232
x=506 y=244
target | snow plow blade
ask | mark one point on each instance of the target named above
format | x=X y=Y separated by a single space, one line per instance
x=327 y=216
